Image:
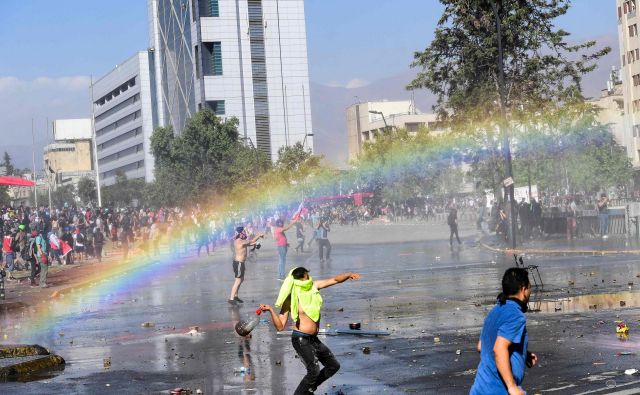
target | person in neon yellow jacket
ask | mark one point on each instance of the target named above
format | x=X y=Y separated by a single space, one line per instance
x=300 y=297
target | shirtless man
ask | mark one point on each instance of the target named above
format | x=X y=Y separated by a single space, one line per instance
x=300 y=297
x=240 y=245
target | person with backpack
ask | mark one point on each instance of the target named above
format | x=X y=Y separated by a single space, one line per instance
x=31 y=257
x=98 y=242
x=43 y=259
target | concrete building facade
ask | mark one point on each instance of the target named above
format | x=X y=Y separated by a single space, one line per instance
x=70 y=157
x=612 y=113
x=240 y=58
x=367 y=120
x=629 y=42
x=124 y=119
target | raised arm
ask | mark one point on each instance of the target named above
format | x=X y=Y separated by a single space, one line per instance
x=252 y=241
x=286 y=228
x=340 y=278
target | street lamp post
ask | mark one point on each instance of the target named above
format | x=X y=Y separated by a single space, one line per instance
x=509 y=189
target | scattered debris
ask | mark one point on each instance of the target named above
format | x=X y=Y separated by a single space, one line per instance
x=366 y=350
x=631 y=371
x=622 y=328
x=279 y=363
x=599 y=363
x=436 y=340
x=458 y=352
x=625 y=353
x=399 y=282
x=199 y=391
x=341 y=309
x=106 y=362
x=180 y=391
x=61 y=334
x=623 y=303
x=148 y=324
x=194 y=330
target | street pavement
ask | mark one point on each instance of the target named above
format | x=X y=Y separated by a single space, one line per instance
x=432 y=299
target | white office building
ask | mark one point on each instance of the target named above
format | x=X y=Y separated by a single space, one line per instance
x=629 y=41
x=240 y=58
x=124 y=119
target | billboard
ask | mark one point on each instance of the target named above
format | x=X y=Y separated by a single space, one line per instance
x=72 y=129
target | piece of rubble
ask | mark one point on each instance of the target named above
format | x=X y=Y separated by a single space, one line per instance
x=106 y=362
x=147 y=324
x=623 y=303
x=366 y=350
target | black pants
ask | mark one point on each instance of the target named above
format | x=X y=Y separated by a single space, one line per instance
x=454 y=230
x=311 y=351
x=35 y=270
x=322 y=243
x=98 y=251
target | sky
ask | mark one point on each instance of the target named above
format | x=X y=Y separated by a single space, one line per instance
x=50 y=48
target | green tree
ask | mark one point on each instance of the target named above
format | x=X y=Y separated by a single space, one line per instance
x=8 y=164
x=65 y=194
x=124 y=191
x=542 y=70
x=206 y=160
x=87 y=189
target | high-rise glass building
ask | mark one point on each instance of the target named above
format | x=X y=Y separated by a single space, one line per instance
x=241 y=58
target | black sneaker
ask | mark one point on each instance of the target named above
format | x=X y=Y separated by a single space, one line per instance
x=232 y=302
x=238 y=300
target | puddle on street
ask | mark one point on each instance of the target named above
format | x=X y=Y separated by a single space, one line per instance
x=584 y=303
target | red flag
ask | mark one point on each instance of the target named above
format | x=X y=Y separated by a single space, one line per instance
x=301 y=211
x=66 y=248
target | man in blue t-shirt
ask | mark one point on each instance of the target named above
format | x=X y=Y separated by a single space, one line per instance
x=504 y=339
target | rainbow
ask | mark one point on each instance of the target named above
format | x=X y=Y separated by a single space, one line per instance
x=420 y=157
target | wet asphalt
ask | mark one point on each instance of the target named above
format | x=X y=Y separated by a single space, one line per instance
x=432 y=300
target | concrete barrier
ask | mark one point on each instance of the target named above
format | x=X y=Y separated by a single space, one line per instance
x=22 y=360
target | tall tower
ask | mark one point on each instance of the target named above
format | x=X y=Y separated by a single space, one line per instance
x=240 y=58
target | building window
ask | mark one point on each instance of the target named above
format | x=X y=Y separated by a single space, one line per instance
x=636 y=130
x=209 y=8
x=212 y=58
x=633 y=30
x=217 y=106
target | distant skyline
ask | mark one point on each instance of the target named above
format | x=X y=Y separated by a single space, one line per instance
x=51 y=48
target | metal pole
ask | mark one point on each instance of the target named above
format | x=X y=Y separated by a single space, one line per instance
x=46 y=171
x=509 y=191
x=95 y=147
x=33 y=157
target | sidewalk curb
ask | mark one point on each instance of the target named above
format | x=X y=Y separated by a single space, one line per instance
x=521 y=251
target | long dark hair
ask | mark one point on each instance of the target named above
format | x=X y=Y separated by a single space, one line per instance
x=514 y=279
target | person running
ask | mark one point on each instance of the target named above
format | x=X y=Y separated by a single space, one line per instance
x=503 y=344
x=300 y=298
x=241 y=243
x=98 y=242
x=299 y=237
x=452 y=221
